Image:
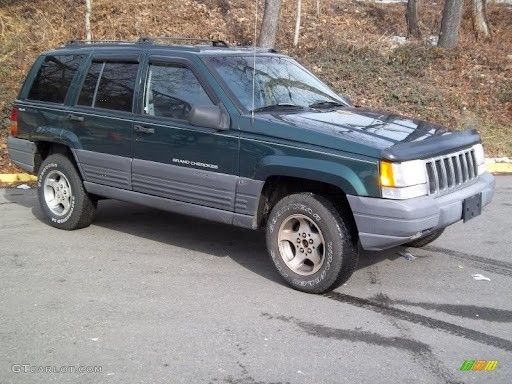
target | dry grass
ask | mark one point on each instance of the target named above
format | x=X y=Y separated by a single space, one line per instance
x=349 y=46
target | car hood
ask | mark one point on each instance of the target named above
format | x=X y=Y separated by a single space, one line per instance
x=370 y=133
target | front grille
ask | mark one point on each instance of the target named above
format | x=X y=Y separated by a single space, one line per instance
x=452 y=170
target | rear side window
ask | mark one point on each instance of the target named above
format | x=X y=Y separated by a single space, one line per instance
x=54 y=78
x=109 y=85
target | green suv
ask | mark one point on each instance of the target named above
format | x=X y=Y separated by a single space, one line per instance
x=245 y=137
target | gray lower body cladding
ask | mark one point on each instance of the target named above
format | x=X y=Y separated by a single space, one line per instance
x=384 y=223
x=214 y=196
x=191 y=185
x=210 y=195
x=175 y=206
x=103 y=168
x=22 y=153
x=185 y=184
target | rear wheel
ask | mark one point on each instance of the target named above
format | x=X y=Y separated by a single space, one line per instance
x=422 y=241
x=62 y=195
x=309 y=243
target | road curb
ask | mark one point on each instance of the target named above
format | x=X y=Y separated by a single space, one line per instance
x=499 y=168
x=10 y=178
x=499 y=165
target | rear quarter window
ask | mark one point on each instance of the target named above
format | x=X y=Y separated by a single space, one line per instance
x=54 y=78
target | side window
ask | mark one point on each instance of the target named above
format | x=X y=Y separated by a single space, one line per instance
x=171 y=91
x=54 y=78
x=109 y=85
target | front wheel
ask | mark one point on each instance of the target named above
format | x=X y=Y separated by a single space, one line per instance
x=62 y=195
x=310 y=243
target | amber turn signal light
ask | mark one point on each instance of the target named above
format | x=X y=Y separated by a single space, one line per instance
x=386 y=174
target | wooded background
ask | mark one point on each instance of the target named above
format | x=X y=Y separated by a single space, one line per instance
x=365 y=50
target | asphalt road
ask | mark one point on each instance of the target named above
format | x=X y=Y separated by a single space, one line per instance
x=153 y=297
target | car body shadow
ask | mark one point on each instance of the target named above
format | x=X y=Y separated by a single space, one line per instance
x=244 y=246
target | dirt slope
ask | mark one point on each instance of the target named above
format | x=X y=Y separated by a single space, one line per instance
x=349 y=45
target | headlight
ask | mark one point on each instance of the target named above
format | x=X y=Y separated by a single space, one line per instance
x=479 y=158
x=403 y=180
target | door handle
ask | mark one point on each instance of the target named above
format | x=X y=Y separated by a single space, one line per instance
x=75 y=117
x=142 y=129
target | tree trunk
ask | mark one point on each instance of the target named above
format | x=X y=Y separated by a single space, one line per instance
x=88 y=6
x=450 y=23
x=297 y=23
x=480 y=22
x=268 y=32
x=317 y=8
x=412 y=17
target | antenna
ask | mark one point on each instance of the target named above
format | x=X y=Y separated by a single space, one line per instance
x=254 y=57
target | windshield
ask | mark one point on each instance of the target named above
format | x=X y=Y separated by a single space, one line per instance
x=278 y=81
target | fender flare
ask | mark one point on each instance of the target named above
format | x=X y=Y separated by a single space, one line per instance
x=45 y=134
x=325 y=171
x=57 y=136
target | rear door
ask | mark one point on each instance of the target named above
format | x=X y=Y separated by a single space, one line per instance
x=103 y=119
x=173 y=158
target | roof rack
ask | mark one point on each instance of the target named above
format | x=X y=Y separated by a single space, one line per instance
x=79 y=42
x=154 y=41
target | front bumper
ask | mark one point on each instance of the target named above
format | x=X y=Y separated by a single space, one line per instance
x=384 y=223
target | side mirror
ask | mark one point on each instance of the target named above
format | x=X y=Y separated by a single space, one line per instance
x=209 y=117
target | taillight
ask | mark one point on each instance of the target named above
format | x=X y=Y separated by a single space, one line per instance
x=14 y=121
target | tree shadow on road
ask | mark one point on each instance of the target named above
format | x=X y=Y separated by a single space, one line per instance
x=244 y=246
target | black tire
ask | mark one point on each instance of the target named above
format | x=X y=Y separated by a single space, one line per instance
x=427 y=239
x=81 y=206
x=340 y=254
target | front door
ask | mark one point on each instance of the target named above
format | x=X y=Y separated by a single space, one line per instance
x=172 y=158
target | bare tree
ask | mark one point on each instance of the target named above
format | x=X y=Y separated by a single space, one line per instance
x=297 y=23
x=88 y=6
x=412 y=17
x=450 y=23
x=267 y=38
x=480 y=22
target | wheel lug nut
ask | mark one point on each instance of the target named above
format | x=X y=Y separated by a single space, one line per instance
x=309 y=250
x=304 y=235
x=310 y=241
x=302 y=250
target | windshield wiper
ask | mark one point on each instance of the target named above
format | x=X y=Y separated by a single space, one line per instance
x=278 y=107
x=326 y=104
